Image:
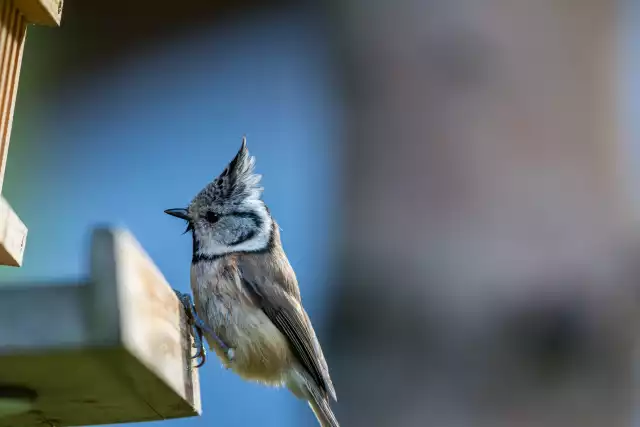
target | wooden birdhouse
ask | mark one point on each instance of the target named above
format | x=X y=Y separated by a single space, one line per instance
x=15 y=16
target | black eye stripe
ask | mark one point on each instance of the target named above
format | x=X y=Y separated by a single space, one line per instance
x=251 y=215
x=212 y=217
x=244 y=237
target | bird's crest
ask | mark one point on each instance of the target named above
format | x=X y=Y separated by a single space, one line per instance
x=236 y=184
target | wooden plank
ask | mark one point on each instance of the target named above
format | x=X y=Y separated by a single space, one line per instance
x=13 y=236
x=41 y=12
x=143 y=315
x=12 y=36
x=113 y=349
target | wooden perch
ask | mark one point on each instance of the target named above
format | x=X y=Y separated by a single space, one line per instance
x=114 y=348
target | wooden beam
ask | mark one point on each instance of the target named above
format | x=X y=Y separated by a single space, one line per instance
x=14 y=16
x=41 y=12
x=114 y=348
x=13 y=236
x=13 y=27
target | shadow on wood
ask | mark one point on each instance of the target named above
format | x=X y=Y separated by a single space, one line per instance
x=111 y=349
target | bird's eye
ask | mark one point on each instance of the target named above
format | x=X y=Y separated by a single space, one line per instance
x=212 y=217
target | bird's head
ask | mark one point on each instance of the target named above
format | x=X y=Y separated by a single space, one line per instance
x=228 y=215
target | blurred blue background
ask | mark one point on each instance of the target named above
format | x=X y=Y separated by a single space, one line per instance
x=123 y=141
x=444 y=166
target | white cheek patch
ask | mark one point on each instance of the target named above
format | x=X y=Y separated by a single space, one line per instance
x=210 y=245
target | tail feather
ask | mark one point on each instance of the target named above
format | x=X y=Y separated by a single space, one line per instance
x=323 y=413
x=320 y=406
x=303 y=387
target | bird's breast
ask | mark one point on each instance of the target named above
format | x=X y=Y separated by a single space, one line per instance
x=262 y=352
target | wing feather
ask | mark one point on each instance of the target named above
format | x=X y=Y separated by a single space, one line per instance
x=290 y=318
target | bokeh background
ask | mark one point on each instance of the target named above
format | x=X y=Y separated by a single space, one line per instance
x=455 y=181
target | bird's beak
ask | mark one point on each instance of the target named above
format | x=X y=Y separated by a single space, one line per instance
x=179 y=213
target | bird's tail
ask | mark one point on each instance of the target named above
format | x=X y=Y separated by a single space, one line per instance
x=320 y=406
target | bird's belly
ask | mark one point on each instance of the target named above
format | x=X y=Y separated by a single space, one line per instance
x=261 y=351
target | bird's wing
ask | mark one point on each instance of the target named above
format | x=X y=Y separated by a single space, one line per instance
x=290 y=318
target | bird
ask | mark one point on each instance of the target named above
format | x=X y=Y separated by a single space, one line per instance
x=246 y=299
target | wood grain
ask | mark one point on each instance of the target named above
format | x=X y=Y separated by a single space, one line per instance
x=12 y=35
x=149 y=320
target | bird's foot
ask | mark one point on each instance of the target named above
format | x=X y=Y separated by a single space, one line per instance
x=199 y=328
x=199 y=325
x=198 y=344
x=198 y=334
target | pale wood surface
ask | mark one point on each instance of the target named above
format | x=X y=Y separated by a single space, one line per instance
x=145 y=312
x=13 y=232
x=114 y=350
x=41 y=12
x=13 y=236
x=12 y=35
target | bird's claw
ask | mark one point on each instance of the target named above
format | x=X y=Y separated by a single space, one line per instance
x=199 y=327
x=198 y=344
x=197 y=333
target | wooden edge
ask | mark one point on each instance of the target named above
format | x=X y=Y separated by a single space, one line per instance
x=46 y=347
x=43 y=339
x=13 y=236
x=77 y=386
x=135 y=306
x=41 y=12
